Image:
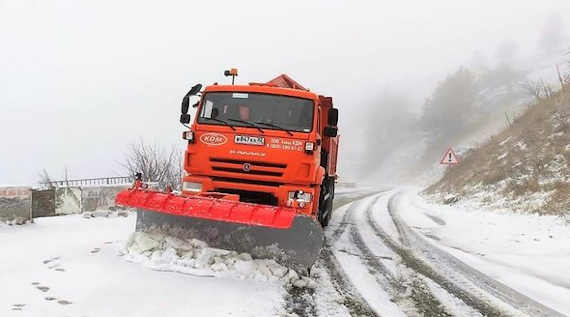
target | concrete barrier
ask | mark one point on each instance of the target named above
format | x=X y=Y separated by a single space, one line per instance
x=99 y=197
x=23 y=203
x=43 y=203
x=67 y=200
x=15 y=204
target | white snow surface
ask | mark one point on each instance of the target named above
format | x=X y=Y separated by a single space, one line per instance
x=72 y=266
x=529 y=253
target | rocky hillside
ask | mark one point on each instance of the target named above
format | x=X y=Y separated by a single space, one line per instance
x=523 y=168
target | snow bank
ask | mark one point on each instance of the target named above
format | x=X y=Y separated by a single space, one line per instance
x=160 y=252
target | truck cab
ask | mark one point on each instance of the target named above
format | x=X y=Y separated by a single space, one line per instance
x=269 y=143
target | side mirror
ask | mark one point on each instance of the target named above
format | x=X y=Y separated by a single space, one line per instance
x=184 y=118
x=185 y=104
x=195 y=89
x=331 y=131
x=186 y=100
x=333 y=117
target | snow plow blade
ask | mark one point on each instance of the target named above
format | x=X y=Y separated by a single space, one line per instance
x=280 y=233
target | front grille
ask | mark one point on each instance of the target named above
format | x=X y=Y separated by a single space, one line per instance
x=266 y=164
x=236 y=170
x=246 y=181
x=255 y=168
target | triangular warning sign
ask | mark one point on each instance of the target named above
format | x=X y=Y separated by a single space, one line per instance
x=449 y=158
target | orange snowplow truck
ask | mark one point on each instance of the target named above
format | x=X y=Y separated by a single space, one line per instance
x=260 y=171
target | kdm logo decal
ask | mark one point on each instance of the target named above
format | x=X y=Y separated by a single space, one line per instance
x=213 y=138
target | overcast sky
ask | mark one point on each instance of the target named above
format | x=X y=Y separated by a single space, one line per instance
x=80 y=80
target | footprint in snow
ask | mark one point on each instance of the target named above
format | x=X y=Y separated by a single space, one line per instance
x=54 y=264
x=51 y=260
x=43 y=288
x=47 y=298
x=61 y=301
x=18 y=306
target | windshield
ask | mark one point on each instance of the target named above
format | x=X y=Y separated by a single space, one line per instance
x=272 y=112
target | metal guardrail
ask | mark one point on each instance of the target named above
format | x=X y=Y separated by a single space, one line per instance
x=120 y=180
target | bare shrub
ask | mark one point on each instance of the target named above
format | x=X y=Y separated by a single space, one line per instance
x=561 y=118
x=559 y=201
x=538 y=89
x=521 y=188
x=155 y=163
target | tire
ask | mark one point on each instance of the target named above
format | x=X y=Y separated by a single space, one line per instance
x=325 y=206
x=330 y=203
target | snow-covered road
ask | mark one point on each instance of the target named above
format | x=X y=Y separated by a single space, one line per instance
x=407 y=257
x=388 y=253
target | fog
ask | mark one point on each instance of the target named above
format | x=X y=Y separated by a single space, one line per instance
x=81 y=80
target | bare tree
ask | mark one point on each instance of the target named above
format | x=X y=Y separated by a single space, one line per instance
x=155 y=163
x=45 y=179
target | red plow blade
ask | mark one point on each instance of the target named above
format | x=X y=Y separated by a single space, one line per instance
x=263 y=231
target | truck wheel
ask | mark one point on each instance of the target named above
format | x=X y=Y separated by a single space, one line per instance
x=330 y=204
x=325 y=205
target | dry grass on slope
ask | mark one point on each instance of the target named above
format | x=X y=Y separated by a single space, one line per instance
x=523 y=168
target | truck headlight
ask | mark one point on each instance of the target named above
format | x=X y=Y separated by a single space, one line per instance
x=300 y=196
x=192 y=187
x=309 y=146
x=188 y=135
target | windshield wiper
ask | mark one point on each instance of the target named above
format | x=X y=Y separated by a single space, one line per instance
x=251 y=124
x=222 y=121
x=275 y=126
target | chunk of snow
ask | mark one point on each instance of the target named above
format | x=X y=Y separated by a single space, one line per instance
x=142 y=242
x=165 y=253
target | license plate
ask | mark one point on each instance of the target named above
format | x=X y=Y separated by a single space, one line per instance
x=249 y=140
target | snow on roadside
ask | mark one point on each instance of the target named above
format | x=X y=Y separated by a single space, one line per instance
x=528 y=252
x=69 y=266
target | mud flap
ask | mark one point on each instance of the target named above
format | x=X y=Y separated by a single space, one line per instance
x=297 y=247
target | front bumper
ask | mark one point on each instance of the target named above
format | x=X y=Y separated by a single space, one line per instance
x=280 y=191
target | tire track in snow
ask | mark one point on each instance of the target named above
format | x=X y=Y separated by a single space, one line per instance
x=302 y=301
x=366 y=276
x=420 y=296
x=353 y=300
x=422 y=268
x=455 y=271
